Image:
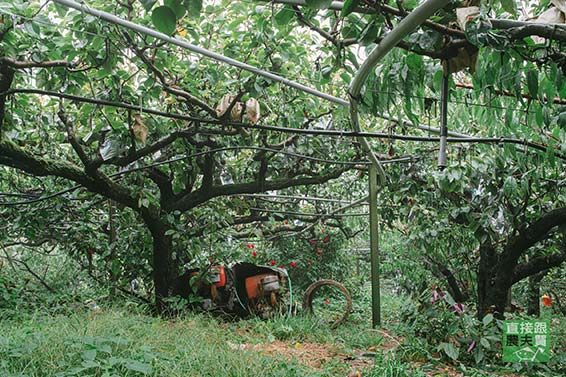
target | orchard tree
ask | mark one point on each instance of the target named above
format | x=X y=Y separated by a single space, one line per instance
x=506 y=80
x=79 y=102
x=483 y=224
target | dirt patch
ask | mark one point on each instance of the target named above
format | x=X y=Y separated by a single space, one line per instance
x=315 y=355
x=312 y=355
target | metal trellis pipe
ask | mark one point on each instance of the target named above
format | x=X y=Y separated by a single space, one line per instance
x=198 y=50
x=444 y=117
x=377 y=174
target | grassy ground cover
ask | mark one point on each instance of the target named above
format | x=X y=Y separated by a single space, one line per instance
x=121 y=340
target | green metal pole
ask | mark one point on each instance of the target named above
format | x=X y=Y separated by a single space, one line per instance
x=374 y=247
x=405 y=27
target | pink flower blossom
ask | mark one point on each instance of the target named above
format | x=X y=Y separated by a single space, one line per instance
x=459 y=308
x=434 y=297
x=472 y=345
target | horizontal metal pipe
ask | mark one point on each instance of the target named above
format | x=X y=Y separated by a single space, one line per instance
x=354 y=214
x=198 y=50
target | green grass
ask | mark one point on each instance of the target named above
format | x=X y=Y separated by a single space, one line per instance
x=120 y=343
x=124 y=341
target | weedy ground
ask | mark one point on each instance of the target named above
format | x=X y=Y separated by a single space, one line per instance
x=123 y=340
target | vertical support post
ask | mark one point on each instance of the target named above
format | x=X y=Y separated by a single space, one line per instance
x=374 y=247
x=444 y=118
x=112 y=244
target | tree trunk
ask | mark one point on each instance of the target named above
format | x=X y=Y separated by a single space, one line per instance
x=164 y=269
x=492 y=291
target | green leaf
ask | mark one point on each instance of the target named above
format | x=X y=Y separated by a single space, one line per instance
x=410 y=4
x=532 y=83
x=194 y=7
x=284 y=16
x=164 y=19
x=509 y=6
x=349 y=7
x=318 y=4
x=451 y=351
x=487 y=319
x=448 y=298
x=89 y=355
x=509 y=189
x=136 y=366
x=478 y=355
x=415 y=63
x=147 y=4
x=177 y=7
x=349 y=31
x=369 y=34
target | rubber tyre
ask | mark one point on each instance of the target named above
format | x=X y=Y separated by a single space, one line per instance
x=311 y=290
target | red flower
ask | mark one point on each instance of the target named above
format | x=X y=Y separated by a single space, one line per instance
x=326 y=239
x=293 y=264
x=286 y=222
x=313 y=242
x=326 y=301
x=319 y=252
x=249 y=246
x=254 y=254
x=281 y=266
x=546 y=300
x=273 y=263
